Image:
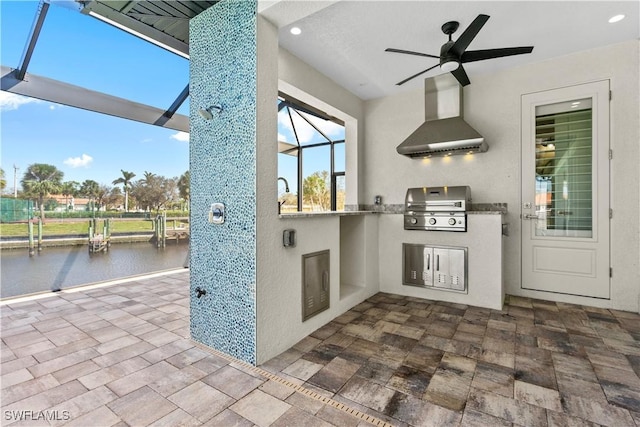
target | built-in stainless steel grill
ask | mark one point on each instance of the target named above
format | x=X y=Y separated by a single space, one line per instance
x=437 y=208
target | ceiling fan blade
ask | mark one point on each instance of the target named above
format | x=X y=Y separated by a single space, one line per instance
x=417 y=74
x=469 y=34
x=409 y=52
x=461 y=76
x=479 y=55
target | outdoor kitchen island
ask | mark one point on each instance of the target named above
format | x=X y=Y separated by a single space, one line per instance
x=371 y=250
x=483 y=241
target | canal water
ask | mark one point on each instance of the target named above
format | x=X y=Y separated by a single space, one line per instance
x=56 y=268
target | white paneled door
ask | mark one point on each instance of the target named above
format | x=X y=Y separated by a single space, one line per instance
x=565 y=190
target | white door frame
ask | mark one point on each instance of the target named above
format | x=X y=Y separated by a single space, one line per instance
x=568 y=265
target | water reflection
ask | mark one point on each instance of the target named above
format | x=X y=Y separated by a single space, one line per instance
x=57 y=268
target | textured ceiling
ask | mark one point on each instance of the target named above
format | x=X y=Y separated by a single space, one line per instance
x=346 y=39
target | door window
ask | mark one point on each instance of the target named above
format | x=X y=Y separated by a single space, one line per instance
x=563 y=156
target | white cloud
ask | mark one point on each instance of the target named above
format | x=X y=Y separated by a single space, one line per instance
x=77 y=162
x=181 y=136
x=11 y=101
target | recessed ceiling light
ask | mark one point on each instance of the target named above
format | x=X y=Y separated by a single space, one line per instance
x=616 y=18
x=296 y=31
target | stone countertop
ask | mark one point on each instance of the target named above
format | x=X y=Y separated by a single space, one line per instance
x=476 y=209
x=322 y=214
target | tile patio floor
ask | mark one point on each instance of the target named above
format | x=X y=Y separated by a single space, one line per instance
x=121 y=355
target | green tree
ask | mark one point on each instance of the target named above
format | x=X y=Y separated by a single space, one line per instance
x=148 y=179
x=184 y=185
x=69 y=189
x=147 y=190
x=50 y=204
x=155 y=191
x=125 y=180
x=3 y=181
x=316 y=191
x=89 y=189
x=113 y=198
x=102 y=194
x=40 y=180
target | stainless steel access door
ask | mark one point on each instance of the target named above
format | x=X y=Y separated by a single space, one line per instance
x=315 y=283
x=417 y=265
x=438 y=267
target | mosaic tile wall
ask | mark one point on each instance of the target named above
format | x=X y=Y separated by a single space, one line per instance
x=222 y=44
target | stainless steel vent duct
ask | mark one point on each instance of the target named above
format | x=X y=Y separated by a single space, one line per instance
x=444 y=132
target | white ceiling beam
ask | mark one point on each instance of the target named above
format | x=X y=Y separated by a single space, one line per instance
x=86 y=99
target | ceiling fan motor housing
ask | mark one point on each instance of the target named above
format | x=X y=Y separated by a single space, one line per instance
x=445 y=55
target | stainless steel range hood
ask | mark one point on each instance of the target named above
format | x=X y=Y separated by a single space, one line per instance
x=444 y=133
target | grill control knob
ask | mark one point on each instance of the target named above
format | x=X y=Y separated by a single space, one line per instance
x=432 y=221
x=452 y=221
x=413 y=221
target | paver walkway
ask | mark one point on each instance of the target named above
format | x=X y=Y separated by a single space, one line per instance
x=121 y=355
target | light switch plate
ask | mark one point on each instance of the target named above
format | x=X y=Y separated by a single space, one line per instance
x=289 y=238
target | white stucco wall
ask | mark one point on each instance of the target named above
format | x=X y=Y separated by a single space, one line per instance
x=483 y=241
x=492 y=106
x=303 y=82
x=279 y=269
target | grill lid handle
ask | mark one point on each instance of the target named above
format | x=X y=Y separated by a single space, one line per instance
x=435 y=203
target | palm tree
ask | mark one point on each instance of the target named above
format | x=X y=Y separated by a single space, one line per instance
x=102 y=193
x=90 y=189
x=40 y=180
x=148 y=179
x=68 y=188
x=125 y=180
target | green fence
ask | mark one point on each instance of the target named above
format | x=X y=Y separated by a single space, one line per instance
x=12 y=210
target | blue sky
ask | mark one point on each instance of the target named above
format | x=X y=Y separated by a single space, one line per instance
x=81 y=50
x=86 y=52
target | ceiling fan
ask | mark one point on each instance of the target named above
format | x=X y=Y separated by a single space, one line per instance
x=453 y=53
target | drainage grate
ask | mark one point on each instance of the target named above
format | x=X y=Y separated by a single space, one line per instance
x=298 y=388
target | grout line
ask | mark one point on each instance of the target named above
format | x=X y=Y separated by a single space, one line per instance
x=298 y=388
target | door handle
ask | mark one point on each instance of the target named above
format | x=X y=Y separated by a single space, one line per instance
x=530 y=216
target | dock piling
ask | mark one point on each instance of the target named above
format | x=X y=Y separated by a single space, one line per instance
x=39 y=234
x=98 y=241
x=32 y=250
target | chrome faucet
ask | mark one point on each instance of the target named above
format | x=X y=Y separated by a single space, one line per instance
x=286 y=184
x=286 y=190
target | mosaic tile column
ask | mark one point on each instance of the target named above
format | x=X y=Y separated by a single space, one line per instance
x=222 y=45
